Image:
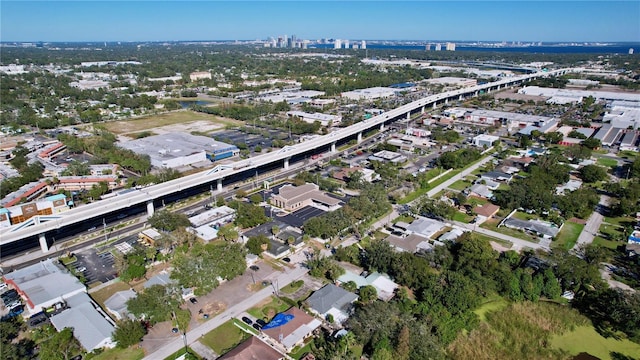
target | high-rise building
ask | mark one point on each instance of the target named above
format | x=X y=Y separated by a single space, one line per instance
x=346 y=44
x=451 y=46
x=337 y=44
x=438 y=47
x=630 y=51
x=363 y=44
x=427 y=47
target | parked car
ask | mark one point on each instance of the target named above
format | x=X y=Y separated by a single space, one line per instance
x=193 y=300
x=247 y=320
x=257 y=326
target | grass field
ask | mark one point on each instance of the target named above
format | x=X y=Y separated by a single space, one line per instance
x=130 y=353
x=568 y=236
x=156 y=121
x=586 y=339
x=224 y=338
x=462 y=217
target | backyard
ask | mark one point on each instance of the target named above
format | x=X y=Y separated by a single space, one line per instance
x=224 y=338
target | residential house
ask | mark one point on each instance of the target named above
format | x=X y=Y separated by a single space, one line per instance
x=383 y=284
x=497 y=176
x=291 y=327
x=412 y=243
x=332 y=300
x=486 y=211
x=117 y=304
x=252 y=349
x=537 y=227
x=425 y=227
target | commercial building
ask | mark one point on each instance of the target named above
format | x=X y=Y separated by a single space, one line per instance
x=206 y=224
x=485 y=140
x=369 y=93
x=20 y=213
x=578 y=95
x=323 y=119
x=454 y=81
x=44 y=284
x=388 y=156
x=199 y=75
x=174 y=150
x=293 y=198
x=451 y=46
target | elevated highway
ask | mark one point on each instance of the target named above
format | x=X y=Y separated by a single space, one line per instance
x=38 y=227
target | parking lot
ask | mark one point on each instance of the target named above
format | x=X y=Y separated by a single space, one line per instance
x=97 y=265
x=299 y=217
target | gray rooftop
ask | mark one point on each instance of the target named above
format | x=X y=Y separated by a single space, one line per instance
x=534 y=226
x=44 y=281
x=331 y=296
x=117 y=303
x=160 y=279
x=89 y=327
x=173 y=145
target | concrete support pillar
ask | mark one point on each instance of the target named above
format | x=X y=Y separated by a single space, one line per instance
x=333 y=147
x=446 y=101
x=422 y=110
x=408 y=115
x=359 y=138
x=150 y=208
x=460 y=98
x=43 y=243
x=219 y=185
x=286 y=163
x=382 y=127
x=475 y=93
x=434 y=105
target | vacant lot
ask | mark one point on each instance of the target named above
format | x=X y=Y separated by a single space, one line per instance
x=175 y=121
x=568 y=235
x=586 y=339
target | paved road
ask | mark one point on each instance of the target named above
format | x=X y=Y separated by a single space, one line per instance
x=193 y=335
x=592 y=226
x=463 y=173
x=518 y=244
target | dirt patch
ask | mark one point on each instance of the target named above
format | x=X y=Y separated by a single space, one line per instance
x=214 y=308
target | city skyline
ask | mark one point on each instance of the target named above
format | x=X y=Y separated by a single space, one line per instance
x=527 y=21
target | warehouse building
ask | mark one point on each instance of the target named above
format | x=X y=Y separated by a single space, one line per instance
x=174 y=150
x=369 y=93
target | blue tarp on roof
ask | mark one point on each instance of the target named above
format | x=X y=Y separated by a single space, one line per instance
x=279 y=320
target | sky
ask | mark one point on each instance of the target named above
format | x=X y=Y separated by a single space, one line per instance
x=513 y=20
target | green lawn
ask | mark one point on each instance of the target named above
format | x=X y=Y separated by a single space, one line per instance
x=462 y=217
x=460 y=185
x=292 y=287
x=586 y=339
x=611 y=232
x=505 y=243
x=269 y=310
x=568 y=235
x=606 y=243
x=130 y=353
x=182 y=351
x=607 y=162
x=224 y=338
x=298 y=352
x=620 y=221
x=524 y=216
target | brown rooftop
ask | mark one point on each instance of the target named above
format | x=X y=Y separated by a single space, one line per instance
x=300 y=318
x=252 y=349
x=486 y=210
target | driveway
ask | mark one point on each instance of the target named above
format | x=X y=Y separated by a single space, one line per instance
x=592 y=226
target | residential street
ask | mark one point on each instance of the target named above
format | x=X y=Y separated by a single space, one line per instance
x=592 y=226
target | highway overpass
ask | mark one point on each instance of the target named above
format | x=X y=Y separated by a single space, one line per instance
x=40 y=226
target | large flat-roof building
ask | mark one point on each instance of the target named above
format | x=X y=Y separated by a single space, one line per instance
x=452 y=81
x=323 y=119
x=44 y=284
x=369 y=93
x=174 y=150
x=293 y=198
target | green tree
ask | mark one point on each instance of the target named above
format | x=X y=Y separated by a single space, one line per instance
x=593 y=173
x=60 y=346
x=155 y=303
x=128 y=332
x=255 y=244
x=202 y=265
x=168 y=221
x=591 y=143
x=228 y=232
x=367 y=294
